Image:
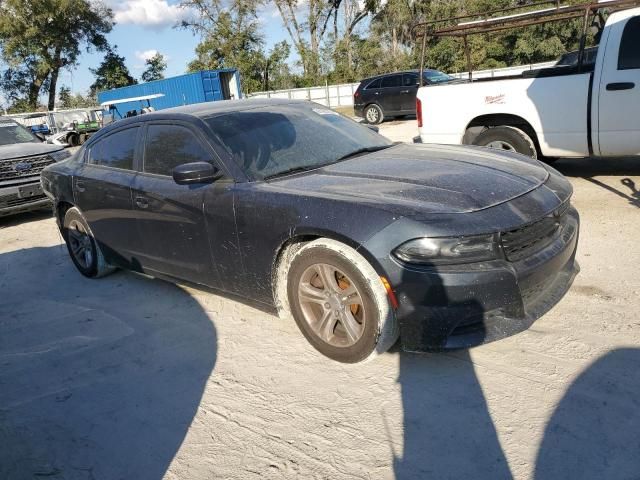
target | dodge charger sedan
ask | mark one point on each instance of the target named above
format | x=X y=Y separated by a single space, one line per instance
x=298 y=209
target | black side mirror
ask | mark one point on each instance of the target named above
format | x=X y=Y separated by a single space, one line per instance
x=196 y=172
x=374 y=128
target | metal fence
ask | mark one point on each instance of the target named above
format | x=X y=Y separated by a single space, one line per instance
x=342 y=95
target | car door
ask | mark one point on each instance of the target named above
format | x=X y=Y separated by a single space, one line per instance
x=102 y=191
x=371 y=93
x=390 y=96
x=409 y=92
x=170 y=218
x=619 y=98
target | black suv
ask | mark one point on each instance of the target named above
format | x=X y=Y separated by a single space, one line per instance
x=392 y=94
x=22 y=157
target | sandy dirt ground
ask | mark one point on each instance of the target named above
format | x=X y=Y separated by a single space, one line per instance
x=128 y=377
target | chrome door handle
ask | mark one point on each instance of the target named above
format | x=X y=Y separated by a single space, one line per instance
x=142 y=202
x=80 y=186
x=404 y=91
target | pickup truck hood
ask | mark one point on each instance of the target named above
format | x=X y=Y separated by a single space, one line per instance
x=409 y=178
x=19 y=150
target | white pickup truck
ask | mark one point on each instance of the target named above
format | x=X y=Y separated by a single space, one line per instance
x=563 y=111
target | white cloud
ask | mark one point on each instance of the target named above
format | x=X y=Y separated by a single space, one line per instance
x=146 y=55
x=155 y=14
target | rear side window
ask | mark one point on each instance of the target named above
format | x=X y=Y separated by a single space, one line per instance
x=629 y=56
x=115 y=151
x=409 y=79
x=392 y=81
x=168 y=146
x=374 y=84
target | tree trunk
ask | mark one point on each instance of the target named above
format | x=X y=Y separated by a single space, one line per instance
x=52 y=88
x=34 y=92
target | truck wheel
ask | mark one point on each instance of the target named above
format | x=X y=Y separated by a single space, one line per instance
x=73 y=140
x=511 y=139
x=373 y=114
x=82 y=246
x=339 y=302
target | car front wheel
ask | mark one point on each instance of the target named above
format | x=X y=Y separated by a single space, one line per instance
x=82 y=246
x=339 y=302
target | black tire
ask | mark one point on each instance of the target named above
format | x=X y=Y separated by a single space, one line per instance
x=511 y=138
x=93 y=264
x=373 y=114
x=73 y=140
x=378 y=327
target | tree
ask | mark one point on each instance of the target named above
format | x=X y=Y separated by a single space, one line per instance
x=230 y=38
x=68 y=100
x=156 y=66
x=112 y=73
x=48 y=35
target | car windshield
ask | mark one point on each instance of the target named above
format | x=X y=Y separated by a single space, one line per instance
x=11 y=133
x=434 y=76
x=269 y=141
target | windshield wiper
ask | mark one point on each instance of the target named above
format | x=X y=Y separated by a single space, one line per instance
x=362 y=151
x=290 y=170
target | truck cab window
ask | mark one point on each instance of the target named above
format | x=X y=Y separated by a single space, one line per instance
x=629 y=56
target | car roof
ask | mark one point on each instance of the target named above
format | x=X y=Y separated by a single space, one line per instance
x=397 y=73
x=200 y=111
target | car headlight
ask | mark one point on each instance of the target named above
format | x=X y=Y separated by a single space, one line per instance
x=60 y=155
x=448 y=250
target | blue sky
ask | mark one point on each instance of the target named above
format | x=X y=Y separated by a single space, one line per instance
x=146 y=26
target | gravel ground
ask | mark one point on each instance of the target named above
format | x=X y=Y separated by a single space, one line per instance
x=128 y=377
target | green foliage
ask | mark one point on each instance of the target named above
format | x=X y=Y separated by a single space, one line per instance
x=40 y=37
x=68 y=100
x=156 y=66
x=112 y=73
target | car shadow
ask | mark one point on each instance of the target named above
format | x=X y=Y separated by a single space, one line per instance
x=448 y=429
x=98 y=378
x=25 y=217
x=594 y=432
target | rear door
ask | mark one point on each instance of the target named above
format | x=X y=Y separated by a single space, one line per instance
x=390 y=95
x=102 y=191
x=170 y=218
x=619 y=97
x=408 y=93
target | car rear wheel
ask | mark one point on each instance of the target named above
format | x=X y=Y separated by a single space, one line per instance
x=82 y=246
x=373 y=114
x=510 y=139
x=339 y=302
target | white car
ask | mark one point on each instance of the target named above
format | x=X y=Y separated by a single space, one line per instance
x=563 y=111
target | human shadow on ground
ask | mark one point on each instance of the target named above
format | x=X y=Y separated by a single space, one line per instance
x=448 y=430
x=594 y=432
x=98 y=378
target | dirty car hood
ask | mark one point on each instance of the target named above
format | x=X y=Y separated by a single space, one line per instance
x=19 y=150
x=424 y=178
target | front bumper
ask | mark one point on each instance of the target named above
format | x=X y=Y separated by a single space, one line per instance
x=444 y=308
x=23 y=197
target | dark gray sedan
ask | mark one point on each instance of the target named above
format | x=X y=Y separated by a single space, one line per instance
x=293 y=207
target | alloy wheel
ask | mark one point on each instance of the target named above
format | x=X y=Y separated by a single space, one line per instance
x=80 y=244
x=332 y=305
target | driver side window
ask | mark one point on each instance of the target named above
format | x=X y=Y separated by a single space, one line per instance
x=168 y=146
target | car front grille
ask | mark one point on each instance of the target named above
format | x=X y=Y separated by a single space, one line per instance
x=13 y=200
x=525 y=241
x=31 y=166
